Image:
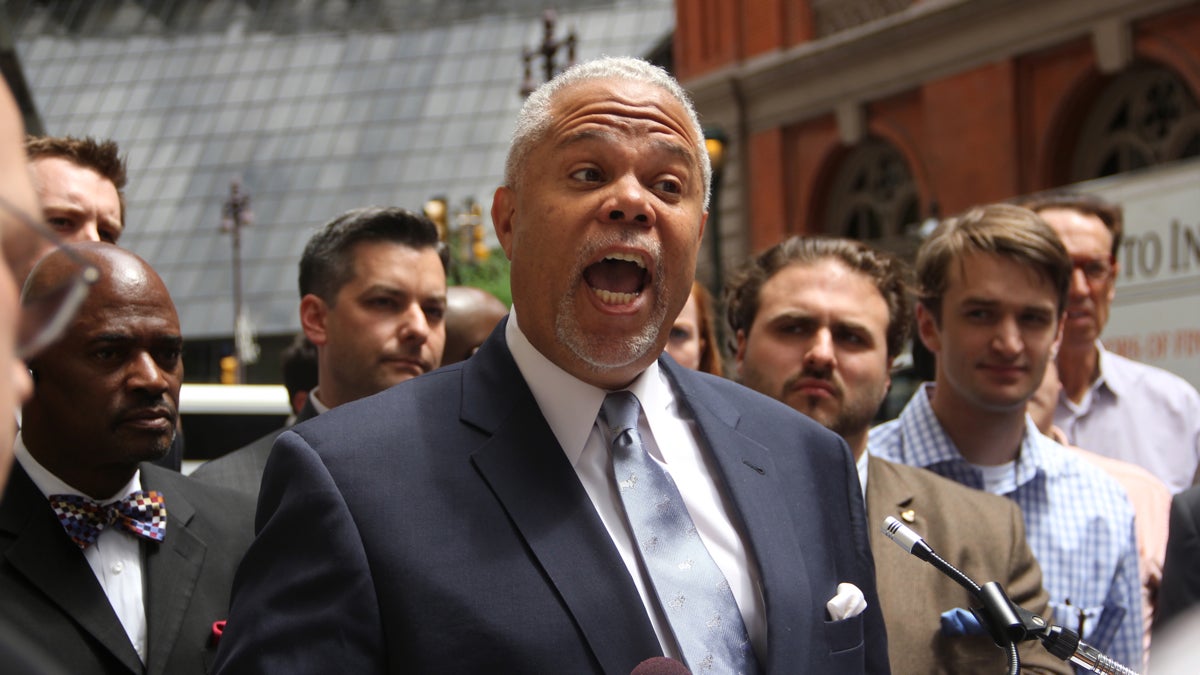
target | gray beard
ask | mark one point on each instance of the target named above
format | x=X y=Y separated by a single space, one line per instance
x=603 y=354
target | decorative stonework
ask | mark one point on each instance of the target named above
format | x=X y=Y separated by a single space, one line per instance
x=872 y=196
x=1145 y=116
x=834 y=16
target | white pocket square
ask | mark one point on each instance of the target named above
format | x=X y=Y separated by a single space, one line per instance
x=849 y=602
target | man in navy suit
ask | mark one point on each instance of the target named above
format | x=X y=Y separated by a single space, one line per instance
x=469 y=520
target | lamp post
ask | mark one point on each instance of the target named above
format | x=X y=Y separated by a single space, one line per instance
x=547 y=50
x=461 y=230
x=236 y=214
x=714 y=143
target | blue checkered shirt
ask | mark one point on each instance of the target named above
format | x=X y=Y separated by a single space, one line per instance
x=1078 y=522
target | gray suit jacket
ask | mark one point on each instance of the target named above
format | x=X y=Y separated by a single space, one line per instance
x=242 y=469
x=51 y=595
x=983 y=535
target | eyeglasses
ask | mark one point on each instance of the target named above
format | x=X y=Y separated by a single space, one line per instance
x=47 y=310
x=1095 y=270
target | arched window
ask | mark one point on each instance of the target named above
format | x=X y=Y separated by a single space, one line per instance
x=1145 y=116
x=872 y=196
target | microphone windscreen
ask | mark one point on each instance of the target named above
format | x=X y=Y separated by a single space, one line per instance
x=660 y=665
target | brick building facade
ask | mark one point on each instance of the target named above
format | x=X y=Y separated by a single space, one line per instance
x=865 y=117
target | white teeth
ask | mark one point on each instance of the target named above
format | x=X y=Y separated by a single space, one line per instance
x=627 y=257
x=611 y=298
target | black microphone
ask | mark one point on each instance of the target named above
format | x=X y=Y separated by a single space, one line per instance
x=1003 y=619
x=660 y=665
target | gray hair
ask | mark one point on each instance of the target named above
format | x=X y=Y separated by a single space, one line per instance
x=535 y=116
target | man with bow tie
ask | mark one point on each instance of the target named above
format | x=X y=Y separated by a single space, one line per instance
x=113 y=564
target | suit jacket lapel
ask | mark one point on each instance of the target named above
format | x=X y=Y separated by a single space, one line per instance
x=42 y=552
x=751 y=481
x=172 y=569
x=526 y=469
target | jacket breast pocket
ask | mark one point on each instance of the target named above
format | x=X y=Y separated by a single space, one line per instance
x=846 y=648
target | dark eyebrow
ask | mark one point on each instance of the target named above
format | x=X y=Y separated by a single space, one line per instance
x=989 y=302
x=110 y=338
x=172 y=339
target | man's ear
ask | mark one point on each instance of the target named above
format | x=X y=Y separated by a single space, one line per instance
x=739 y=356
x=504 y=204
x=313 y=312
x=928 y=330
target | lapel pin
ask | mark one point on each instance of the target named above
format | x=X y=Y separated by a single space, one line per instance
x=908 y=516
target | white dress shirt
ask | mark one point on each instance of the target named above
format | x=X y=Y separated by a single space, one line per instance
x=571 y=406
x=115 y=558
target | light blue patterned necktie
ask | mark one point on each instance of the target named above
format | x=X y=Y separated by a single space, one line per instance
x=692 y=592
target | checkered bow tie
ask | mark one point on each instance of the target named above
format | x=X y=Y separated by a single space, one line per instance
x=142 y=513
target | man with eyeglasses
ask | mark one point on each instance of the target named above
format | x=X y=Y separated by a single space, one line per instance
x=20 y=243
x=1109 y=404
x=109 y=562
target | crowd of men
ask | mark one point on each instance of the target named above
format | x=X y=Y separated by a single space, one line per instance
x=572 y=484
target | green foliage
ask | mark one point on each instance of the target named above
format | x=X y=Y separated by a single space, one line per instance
x=491 y=275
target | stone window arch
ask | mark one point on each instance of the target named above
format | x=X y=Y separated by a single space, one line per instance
x=1145 y=116
x=872 y=195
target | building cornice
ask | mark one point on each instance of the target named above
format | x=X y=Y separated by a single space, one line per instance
x=927 y=41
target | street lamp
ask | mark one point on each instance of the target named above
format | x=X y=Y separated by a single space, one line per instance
x=715 y=142
x=461 y=229
x=236 y=214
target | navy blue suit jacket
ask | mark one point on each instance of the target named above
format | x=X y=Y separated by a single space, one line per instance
x=438 y=527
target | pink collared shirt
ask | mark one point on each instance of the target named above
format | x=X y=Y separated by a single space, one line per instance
x=1151 y=501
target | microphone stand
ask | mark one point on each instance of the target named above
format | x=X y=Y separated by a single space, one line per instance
x=1006 y=622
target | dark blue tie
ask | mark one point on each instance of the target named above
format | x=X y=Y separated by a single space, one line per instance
x=692 y=592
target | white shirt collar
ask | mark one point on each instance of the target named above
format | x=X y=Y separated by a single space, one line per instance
x=863 y=465
x=570 y=405
x=313 y=396
x=49 y=484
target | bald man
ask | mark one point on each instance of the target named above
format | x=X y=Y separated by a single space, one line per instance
x=141 y=592
x=471 y=314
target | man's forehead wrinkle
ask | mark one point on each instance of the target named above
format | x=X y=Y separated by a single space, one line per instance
x=655 y=107
x=607 y=134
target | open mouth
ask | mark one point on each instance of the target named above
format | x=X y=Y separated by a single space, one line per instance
x=618 y=279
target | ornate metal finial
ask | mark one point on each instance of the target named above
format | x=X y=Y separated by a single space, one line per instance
x=548 y=50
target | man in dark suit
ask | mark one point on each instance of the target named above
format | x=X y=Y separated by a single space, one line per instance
x=1180 y=588
x=140 y=590
x=373 y=302
x=472 y=519
x=818 y=323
